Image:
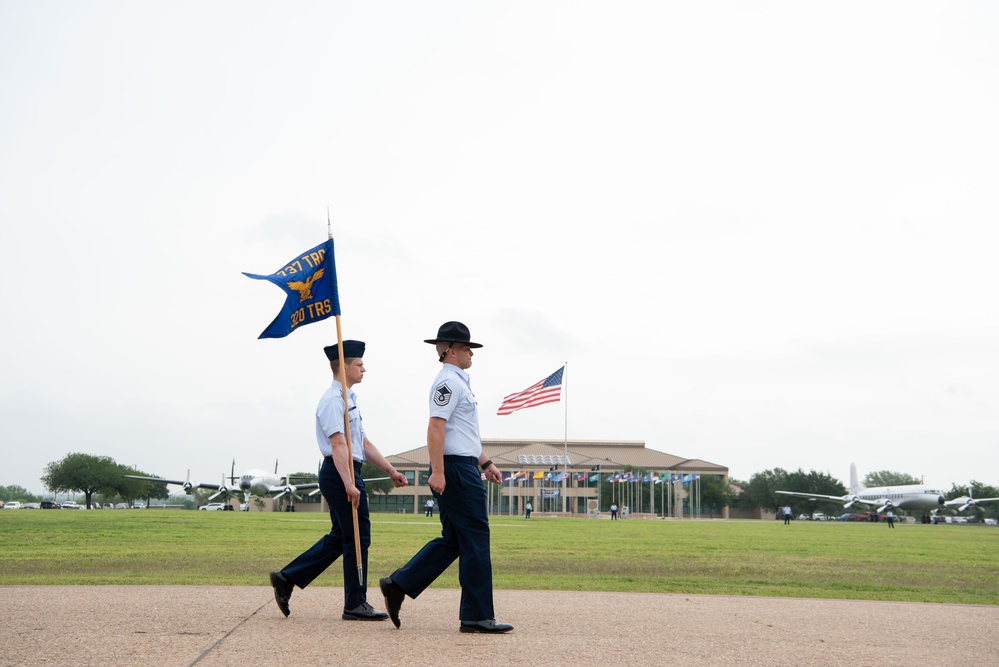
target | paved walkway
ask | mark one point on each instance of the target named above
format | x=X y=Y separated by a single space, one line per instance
x=241 y=626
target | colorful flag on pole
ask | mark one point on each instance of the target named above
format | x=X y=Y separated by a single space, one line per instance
x=539 y=475
x=548 y=390
x=309 y=280
x=595 y=477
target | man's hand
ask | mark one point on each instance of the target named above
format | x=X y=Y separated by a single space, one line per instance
x=493 y=474
x=353 y=495
x=436 y=481
x=398 y=479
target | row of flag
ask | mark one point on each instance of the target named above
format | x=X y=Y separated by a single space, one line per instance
x=309 y=281
x=558 y=477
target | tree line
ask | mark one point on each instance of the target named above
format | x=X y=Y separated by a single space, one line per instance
x=761 y=490
x=103 y=476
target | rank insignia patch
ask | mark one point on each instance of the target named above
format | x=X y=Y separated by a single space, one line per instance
x=442 y=394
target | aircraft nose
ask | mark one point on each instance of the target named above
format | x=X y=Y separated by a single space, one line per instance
x=940 y=500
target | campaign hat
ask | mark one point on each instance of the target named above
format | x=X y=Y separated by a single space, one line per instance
x=453 y=332
x=351 y=348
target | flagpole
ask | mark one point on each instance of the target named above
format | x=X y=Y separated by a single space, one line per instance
x=565 y=441
x=346 y=429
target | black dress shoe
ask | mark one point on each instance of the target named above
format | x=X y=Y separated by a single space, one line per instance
x=393 y=599
x=363 y=612
x=282 y=591
x=490 y=626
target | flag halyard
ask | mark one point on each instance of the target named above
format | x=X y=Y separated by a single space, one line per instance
x=548 y=390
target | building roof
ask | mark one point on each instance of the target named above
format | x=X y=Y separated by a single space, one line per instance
x=582 y=454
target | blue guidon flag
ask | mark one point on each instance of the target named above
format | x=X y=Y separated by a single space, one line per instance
x=309 y=280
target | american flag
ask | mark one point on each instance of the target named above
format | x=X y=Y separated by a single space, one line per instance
x=548 y=390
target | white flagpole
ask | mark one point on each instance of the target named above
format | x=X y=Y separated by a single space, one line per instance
x=565 y=441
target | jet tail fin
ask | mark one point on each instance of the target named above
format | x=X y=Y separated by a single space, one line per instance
x=855 y=485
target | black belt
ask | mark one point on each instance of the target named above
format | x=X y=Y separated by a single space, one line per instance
x=449 y=458
x=356 y=462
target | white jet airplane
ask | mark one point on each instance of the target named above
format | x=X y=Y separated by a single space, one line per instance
x=252 y=482
x=962 y=503
x=912 y=497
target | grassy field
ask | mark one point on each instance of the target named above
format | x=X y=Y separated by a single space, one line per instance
x=913 y=562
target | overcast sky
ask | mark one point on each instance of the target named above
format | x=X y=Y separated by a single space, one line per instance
x=762 y=234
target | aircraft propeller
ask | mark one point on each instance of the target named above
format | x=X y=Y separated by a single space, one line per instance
x=187 y=486
x=851 y=501
x=964 y=502
x=223 y=490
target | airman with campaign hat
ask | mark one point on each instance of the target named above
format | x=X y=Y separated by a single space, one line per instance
x=453 y=332
x=456 y=456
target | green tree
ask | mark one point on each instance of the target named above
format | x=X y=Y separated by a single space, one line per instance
x=83 y=473
x=889 y=478
x=303 y=478
x=18 y=493
x=371 y=471
x=814 y=482
x=761 y=491
x=715 y=494
x=977 y=490
x=130 y=490
x=181 y=499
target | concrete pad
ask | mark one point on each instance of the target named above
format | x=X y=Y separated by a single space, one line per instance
x=242 y=626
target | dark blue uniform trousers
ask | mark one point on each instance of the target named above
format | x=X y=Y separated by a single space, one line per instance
x=465 y=536
x=340 y=540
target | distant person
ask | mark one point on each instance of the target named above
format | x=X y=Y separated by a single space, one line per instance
x=456 y=456
x=890 y=518
x=340 y=493
x=614 y=512
x=528 y=508
x=429 y=507
x=787 y=515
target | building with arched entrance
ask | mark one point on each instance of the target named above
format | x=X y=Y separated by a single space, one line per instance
x=566 y=477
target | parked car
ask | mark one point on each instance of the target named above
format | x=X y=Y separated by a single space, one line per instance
x=845 y=517
x=70 y=505
x=213 y=507
x=50 y=505
x=991 y=522
x=121 y=506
